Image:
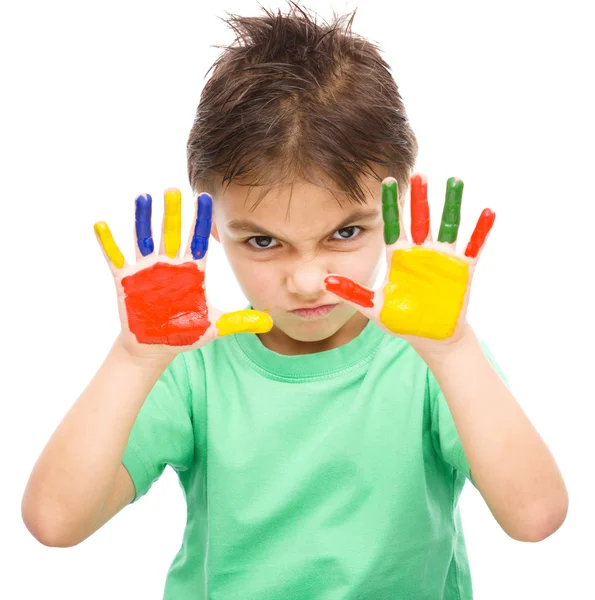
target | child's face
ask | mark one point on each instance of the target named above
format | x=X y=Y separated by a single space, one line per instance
x=281 y=252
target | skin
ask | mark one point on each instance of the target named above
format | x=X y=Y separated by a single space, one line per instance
x=290 y=273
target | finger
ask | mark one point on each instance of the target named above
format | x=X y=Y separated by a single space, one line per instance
x=420 y=210
x=391 y=213
x=142 y=225
x=110 y=249
x=172 y=223
x=480 y=233
x=198 y=242
x=349 y=290
x=451 y=214
x=244 y=321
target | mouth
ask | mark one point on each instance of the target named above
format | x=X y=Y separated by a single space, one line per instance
x=317 y=312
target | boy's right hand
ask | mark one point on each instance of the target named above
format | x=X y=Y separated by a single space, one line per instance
x=161 y=299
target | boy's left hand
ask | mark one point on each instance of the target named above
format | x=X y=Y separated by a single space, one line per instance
x=425 y=295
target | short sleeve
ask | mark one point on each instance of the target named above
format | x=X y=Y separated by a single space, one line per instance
x=162 y=433
x=444 y=432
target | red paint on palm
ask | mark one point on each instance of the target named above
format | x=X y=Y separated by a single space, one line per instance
x=166 y=304
x=349 y=290
x=478 y=237
x=420 y=209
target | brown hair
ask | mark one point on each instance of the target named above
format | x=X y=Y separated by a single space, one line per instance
x=291 y=97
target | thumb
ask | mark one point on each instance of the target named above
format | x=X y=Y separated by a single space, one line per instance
x=347 y=289
x=244 y=321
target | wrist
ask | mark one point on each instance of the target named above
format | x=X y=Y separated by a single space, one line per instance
x=445 y=351
x=148 y=361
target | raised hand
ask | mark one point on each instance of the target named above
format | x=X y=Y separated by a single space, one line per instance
x=426 y=291
x=161 y=299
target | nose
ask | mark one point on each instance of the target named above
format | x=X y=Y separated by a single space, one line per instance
x=306 y=280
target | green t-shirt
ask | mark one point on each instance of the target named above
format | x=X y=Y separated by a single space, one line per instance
x=326 y=476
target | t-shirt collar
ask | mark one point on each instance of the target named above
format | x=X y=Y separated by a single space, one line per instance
x=318 y=364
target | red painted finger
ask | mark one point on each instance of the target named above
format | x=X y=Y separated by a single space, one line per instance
x=349 y=290
x=420 y=210
x=478 y=237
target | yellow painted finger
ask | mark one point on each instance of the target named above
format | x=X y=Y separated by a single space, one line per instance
x=172 y=221
x=109 y=245
x=425 y=293
x=244 y=321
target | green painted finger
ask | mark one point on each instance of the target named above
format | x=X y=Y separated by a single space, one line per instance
x=451 y=214
x=390 y=212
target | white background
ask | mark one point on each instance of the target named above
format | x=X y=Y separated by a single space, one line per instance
x=97 y=102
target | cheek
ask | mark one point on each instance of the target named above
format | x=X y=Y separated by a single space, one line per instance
x=253 y=276
x=261 y=278
x=260 y=284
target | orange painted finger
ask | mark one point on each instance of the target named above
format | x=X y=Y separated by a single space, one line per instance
x=420 y=209
x=349 y=290
x=480 y=233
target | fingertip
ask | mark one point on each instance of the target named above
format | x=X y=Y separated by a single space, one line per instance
x=205 y=206
x=265 y=323
x=390 y=183
x=205 y=197
x=172 y=198
x=455 y=183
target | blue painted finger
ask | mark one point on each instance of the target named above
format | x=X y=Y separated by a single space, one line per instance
x=142 y=221
x=202 y=228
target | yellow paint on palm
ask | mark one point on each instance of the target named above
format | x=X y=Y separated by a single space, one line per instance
x=244 y=321
x=172 y=221
x=109 y=245
x=425 y=293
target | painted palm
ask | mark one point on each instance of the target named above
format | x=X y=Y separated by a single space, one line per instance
x=426 y=291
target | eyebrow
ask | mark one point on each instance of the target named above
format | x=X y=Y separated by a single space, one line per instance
x=251 y=227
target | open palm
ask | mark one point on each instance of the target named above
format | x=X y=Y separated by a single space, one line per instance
x=161 y=299
x=426 y=290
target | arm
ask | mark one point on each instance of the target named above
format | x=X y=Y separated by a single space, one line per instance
x=510 y=464
x=78 y=482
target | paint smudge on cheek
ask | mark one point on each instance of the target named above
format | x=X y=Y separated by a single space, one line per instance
x=166 y=304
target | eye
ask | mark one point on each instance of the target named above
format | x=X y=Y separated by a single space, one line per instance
x=262 y=242
x=346 y=233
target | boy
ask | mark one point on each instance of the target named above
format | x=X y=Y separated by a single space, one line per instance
x=322 y=455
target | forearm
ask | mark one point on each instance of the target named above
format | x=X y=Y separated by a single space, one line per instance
x=75 y=472
x=510 y=463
